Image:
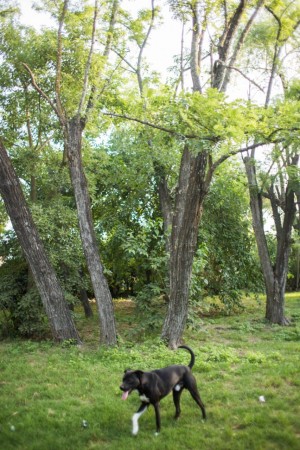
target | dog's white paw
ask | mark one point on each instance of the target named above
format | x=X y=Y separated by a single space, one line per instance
x=156 y=434
x=135 y=430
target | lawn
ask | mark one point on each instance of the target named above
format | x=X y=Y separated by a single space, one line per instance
x=63 y=397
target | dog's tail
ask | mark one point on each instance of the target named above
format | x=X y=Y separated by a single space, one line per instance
x=192 y=361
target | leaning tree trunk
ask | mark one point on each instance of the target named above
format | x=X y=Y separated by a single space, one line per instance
x=73 y=143
x=53 y=300
x=188 y=209
x=274 y=277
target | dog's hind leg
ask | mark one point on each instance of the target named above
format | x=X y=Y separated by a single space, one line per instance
x=157 y=417
x=191 y=385
x=136 y=416
x=176 y=399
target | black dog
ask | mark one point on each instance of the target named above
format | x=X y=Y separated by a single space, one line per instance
x=153 y=386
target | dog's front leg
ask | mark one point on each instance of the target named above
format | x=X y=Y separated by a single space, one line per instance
x=136 y=416
x=157 y=417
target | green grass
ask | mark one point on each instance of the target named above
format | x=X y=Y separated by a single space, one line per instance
x=47 y=391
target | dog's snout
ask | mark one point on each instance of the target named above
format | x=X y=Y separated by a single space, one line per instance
x=122 y=387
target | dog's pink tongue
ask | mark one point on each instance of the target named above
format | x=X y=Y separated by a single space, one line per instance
x=125 y=395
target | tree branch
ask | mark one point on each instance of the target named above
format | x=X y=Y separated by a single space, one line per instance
x=276 y=54
x=89 y=61
x=133 y=69
x=142 y=47
x=239 y=44
x=236 y=152
x=161 y=128
x=225 y=43
x=60 y=110
x=112 y=22
x=39 y=90
x=94 y=92
x=195 y=46
x=267 y=140
x=245 y=76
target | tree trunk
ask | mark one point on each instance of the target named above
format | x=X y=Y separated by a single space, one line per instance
x=275 y=304
x=188 y=209
x=88 y=312
x=274 y=277
x=56 y=308
x=102 y=293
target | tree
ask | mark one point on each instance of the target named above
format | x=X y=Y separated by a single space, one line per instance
x=196 y=170
x=200 y=134
x=190 y=195
x=279 y=184
x=282 y=198
x=73 y=118
x=57 y=311
x=202 y=138
x=191 y=132
x=31 y=126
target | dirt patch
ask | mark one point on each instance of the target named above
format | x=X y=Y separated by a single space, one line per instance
x=124 y=306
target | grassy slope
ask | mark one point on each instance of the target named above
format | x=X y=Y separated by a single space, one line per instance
x=46 y=391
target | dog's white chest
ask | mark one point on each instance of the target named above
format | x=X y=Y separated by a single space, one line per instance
x=145 y=399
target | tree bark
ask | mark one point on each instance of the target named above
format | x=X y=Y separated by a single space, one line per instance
x=56 y=308
x=73 y=137
x=188 y=209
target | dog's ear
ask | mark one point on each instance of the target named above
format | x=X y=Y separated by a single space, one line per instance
x=139 y=373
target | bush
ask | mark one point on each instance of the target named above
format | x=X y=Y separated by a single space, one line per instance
x=21 y=311
x=150 y=308
x=30 y=317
